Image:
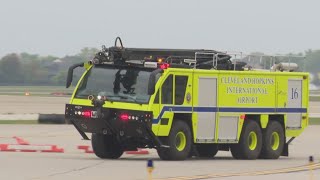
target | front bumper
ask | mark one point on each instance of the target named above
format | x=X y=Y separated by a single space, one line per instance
x=107 y=120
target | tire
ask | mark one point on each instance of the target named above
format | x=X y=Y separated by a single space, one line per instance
x=273 y=141
x=207 y=150
x=179 y=142
x=250 y=143
x=106 y=146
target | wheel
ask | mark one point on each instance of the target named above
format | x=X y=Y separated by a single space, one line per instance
x=207 y=150
x=179 y=142
x=106 y=146
x=272 y=141
x=250 y=143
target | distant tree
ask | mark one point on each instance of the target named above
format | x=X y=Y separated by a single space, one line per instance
x=60 y=78
x=25 y=57
x=313 y=61
x=30 y=70
x=316 y=80
x=87 y=53
x=11 y=69
x=48 y=58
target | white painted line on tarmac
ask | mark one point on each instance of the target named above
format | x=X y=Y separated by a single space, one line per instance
x=314 y=115
x=29 y=147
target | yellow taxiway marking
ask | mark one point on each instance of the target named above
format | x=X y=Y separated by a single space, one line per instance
x=306 y=167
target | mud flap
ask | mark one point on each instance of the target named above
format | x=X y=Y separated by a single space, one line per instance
x=156 y=140
x=285 y=151
x=84 y=136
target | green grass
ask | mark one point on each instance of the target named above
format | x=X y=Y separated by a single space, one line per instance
x=314 y=98
x=18 y=121
x=34 y=90
x=314 y=121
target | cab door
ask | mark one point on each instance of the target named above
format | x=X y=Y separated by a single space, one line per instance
x=166 y=108
x=156 y=112
x=175 y=98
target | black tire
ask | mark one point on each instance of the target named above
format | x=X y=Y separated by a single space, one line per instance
x=242 y=149
x=173 y=152
x=106 y=146
x=207 y=150
x=268 y=140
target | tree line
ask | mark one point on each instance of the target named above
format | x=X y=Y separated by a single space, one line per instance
x=33 y=69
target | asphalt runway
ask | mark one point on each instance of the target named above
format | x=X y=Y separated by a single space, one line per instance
x=32 y=104
x=75 y=164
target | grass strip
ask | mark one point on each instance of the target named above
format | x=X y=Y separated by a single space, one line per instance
x=18 y=121
x=314 y=98
x=314 y=121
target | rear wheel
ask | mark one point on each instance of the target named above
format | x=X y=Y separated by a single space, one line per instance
x=273 y=141
x=179 y=142
x=106 y=146
x=250 y=143
x=207 y=150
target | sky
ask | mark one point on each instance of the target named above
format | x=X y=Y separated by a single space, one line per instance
x=63 y=27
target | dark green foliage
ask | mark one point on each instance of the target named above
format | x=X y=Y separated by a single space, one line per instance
x=33 y=69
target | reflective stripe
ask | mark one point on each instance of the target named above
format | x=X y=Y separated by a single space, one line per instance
x=225 y=109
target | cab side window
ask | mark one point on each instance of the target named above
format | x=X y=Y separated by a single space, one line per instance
x=180 y=85
x=167 y=91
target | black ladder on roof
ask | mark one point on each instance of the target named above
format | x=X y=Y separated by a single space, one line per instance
x=194 y=58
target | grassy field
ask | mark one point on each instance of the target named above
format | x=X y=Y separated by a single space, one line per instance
x=35 y=90
x=18 y=122
x=314 y=121
x=314 y=98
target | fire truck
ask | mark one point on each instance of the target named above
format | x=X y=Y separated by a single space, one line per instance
x=187 y=102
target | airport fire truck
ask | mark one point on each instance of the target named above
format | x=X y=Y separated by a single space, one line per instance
x=187 y=102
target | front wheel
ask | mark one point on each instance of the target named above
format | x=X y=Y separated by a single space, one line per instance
x=106 y=146
x=179 y=142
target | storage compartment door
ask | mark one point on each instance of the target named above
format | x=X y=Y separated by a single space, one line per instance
x=207 y=102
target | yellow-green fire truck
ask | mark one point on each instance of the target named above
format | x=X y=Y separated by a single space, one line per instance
x=187 y=102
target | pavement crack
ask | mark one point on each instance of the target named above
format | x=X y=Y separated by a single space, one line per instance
x=70 y=171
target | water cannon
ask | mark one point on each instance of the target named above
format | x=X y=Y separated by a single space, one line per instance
x=115 y=54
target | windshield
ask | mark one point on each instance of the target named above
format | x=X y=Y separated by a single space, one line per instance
x=125 y=84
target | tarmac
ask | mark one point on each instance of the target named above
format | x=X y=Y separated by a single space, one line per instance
x=74 y=163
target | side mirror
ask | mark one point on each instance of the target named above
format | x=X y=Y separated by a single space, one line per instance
x=70 y=73
x=153 y=81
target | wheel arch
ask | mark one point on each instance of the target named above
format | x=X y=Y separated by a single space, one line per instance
x=253 y=117
x=185 y=117
x=277 y=117
x=264 y=119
